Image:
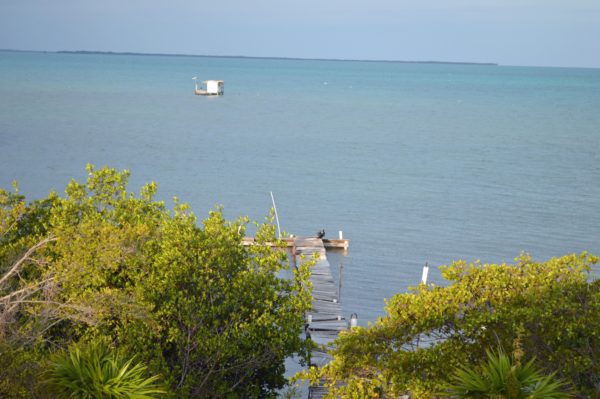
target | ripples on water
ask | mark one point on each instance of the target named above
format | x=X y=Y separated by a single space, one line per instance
x=416 y=163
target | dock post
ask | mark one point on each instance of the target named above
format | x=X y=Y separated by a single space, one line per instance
x=353 y=320
x=341 y=235
x=276 y=216
x=340 y=282
x=425 y=273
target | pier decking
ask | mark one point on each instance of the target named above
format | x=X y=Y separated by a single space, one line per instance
x=325 y=319
x=291 y=242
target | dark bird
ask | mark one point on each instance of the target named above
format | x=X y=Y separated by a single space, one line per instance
x=321 y=234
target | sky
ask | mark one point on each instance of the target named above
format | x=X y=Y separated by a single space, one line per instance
x=508 y=32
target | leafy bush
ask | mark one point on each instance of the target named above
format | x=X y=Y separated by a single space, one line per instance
x=213 y=317
x=544 y=310
x=19 y=372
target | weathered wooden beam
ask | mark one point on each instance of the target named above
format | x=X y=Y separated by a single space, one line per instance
x=327 y=243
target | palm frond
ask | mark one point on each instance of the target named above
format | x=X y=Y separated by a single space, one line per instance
x=501 y=377
x=94 y=371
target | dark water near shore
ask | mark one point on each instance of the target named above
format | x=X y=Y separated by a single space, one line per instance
x=415 y=163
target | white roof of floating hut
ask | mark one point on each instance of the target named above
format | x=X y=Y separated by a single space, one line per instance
x=214 y=86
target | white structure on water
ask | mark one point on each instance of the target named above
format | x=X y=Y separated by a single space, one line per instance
x=214 y=86
x=211 y=87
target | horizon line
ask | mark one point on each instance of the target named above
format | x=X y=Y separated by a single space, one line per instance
x=91 y=52
x=121 y=53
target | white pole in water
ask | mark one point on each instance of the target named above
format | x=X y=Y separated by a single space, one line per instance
x=195 y=82
x=276 y=217
x=341 y=235
x=425 y=273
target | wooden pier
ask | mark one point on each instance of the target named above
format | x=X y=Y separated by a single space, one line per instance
x=325 y=320
x=291 y=242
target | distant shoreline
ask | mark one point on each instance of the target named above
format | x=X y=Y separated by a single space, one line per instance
x=88 y=52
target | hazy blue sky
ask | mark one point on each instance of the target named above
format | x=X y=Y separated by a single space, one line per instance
x=513 y=32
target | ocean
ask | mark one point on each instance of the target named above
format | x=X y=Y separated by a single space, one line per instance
x=416 y=163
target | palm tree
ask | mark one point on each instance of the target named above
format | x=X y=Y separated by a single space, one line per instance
x=501 y=378
x=96 y=372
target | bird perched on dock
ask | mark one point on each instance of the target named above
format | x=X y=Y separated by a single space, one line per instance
x=321 y=233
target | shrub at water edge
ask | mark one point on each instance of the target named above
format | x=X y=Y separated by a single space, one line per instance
x=214 y=318
x=544 y=310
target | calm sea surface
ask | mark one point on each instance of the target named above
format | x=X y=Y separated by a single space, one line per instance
x=415 y=163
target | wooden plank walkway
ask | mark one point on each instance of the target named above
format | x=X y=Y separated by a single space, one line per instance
x=327 y=242
x=325 y=319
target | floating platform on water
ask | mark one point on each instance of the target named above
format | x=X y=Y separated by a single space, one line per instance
x=210 y=87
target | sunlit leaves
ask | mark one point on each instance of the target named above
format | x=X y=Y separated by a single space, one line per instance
x=213 y=317
x=547 y=310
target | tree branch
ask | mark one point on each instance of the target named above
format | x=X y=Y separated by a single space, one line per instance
x=19 y=263
x=34 y=287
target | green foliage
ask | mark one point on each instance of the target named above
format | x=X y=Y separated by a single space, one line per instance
x=223 y=309
x=502 y=378
x=215 y=318
x=19 y=369
x=96 y=372
x=545 y=310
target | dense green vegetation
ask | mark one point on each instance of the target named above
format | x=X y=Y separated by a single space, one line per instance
x=548 y=311
x=190 y=304
x=108 y=294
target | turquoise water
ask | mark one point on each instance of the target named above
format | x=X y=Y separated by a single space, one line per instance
x=414 y=162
